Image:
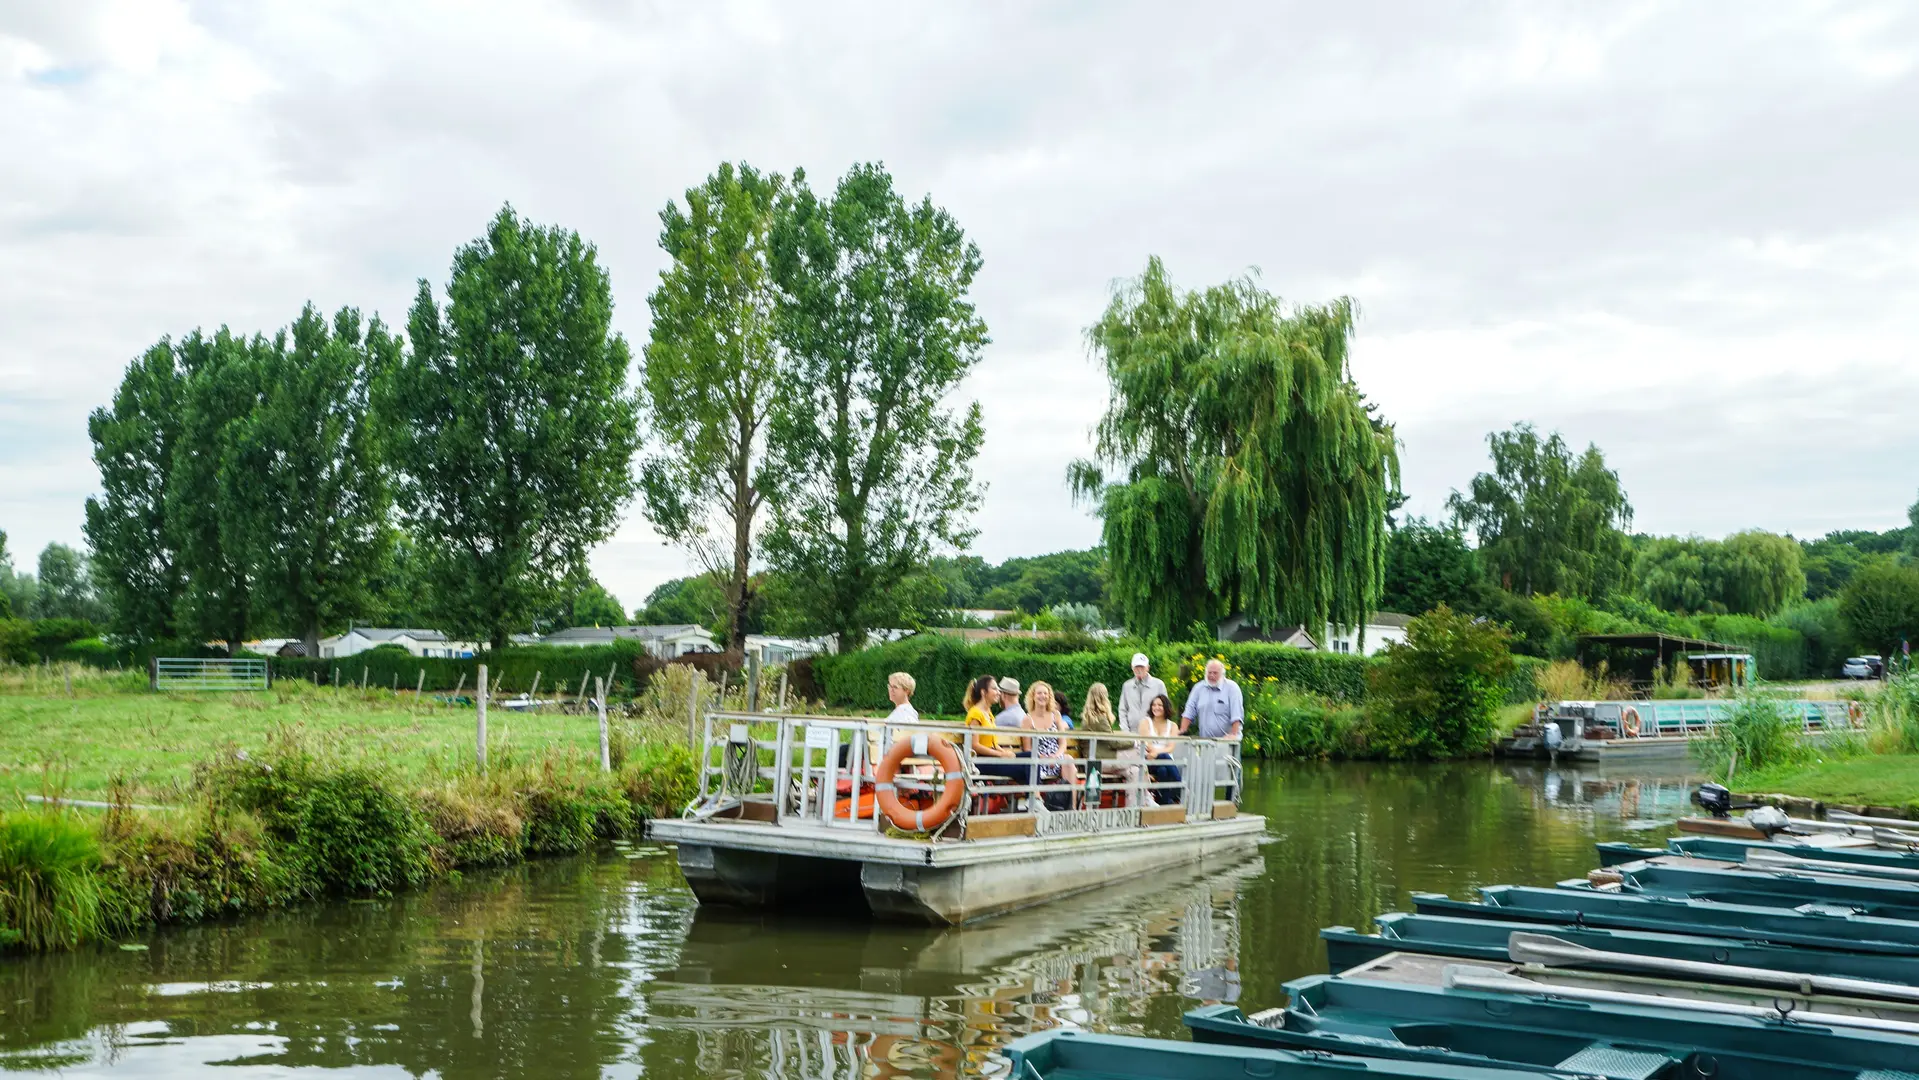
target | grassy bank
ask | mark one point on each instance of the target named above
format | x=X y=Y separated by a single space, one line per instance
x=1758 y=749
x=1890 y=780
x=239 y=803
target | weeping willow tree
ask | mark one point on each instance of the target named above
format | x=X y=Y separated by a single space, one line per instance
x=1238 y=468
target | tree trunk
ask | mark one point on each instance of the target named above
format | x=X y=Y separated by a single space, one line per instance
x=312 y=639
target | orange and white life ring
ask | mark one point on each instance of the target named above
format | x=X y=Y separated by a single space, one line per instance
x=932 y=817
x=1629 y=721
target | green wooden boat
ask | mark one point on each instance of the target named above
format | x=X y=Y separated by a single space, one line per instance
x=1487 y=940
x=1473 y=1015
x=1817 y=928
x=1063 y=1054
x=1816 y=856
x=1730 y=883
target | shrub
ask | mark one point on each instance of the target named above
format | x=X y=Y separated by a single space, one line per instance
x=345 y=823
x=659 y=779
x=50 y=888
x=203 y=864
x=1892 y=717
x=1759 y=730
x=509 y=670
x=1439 y=693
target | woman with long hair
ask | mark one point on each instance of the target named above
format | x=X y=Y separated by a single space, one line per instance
x=1042 y=715
x=990 y=756
x=1158 y=724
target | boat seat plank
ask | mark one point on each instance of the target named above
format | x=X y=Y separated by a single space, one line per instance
x=1888 y=1074
x=1605 y=1059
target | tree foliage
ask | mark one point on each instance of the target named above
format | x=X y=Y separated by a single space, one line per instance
x=1438 y=694
x=1545 y=521
x=65 y=589
x=879 y=330
x=136 y=556
x=1880 y=605
x=1751 y=573
x=1427 y=565
x=315 y=455
x=213 y=501
x=712 y=367
x=1251 y=474
x=515 y=426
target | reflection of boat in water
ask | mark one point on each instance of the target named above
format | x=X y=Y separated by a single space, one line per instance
x=1634 y=798
x=859 y=998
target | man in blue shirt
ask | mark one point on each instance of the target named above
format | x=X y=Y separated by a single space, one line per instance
x=1216 y=704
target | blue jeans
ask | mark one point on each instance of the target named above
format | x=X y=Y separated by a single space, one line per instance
x=1164 y=774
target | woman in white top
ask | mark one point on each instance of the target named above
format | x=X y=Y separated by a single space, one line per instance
x=1158 y=723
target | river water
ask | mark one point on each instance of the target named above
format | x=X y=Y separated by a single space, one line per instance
x=605 y=966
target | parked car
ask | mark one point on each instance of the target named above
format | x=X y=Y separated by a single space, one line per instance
x=1863 y=667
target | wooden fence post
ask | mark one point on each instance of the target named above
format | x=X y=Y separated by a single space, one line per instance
x=753 y=682
x=606 y=755
x=782 y=690
x=364 y=672
x=482 y=732
x=585 y=677
x=419 y=686
x=535 y=692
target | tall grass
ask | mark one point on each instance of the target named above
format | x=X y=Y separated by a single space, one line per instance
x=51 y=894
x=1892 y=717
x=1759 y=731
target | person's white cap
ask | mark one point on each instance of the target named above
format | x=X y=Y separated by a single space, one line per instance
x=1139 y=660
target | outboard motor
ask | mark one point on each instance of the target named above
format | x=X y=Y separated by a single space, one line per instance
x=1714 y=799
x=1769 y=820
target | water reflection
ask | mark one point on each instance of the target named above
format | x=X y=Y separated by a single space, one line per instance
x=776 y=998
x=606 y=967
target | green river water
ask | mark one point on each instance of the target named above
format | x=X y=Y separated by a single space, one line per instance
x=605 y=965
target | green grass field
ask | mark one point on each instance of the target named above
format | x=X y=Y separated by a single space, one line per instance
x=1873 y=779
x=112 y=726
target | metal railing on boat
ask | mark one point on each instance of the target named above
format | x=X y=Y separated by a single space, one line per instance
x=820 y=771
x=1683 y=718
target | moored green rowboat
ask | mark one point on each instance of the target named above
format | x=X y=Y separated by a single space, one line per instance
x=1731 y=883
x=1486 y=940
x=1073 y=1055
x=1817 y=927
x=1422 y=1009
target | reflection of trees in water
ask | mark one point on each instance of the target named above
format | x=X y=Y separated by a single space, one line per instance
x=884 y=1001
x=590 y=965
x=392 y=981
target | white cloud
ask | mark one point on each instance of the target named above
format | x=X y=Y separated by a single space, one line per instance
x=1688 y=234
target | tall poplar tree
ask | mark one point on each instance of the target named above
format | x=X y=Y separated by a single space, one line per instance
x=314 y=457
x=712 y=367
x=879 y=331
x=213 y=497
x=1249 y=472
x=136 y=556
x=514 y=426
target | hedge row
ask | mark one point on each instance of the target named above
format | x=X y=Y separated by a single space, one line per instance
x=508 y=671
x=942 y=666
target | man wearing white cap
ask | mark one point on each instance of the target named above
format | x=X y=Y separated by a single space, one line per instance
x=1137 y=693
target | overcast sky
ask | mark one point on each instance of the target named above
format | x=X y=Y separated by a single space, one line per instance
x=1687 y=232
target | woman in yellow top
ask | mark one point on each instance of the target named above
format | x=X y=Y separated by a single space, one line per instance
x=989 y=757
